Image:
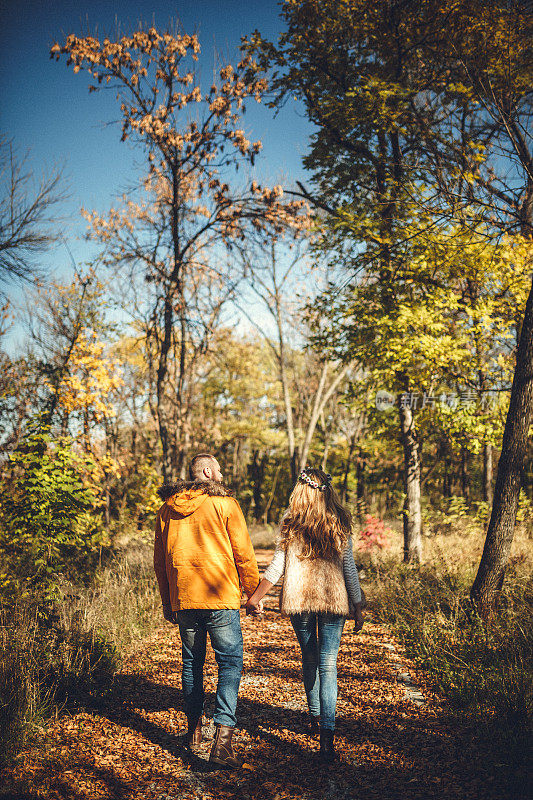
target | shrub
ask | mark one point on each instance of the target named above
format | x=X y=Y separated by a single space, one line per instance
x=45 y=530
x=375 y=535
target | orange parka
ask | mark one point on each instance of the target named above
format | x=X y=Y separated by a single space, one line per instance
x=202 y=550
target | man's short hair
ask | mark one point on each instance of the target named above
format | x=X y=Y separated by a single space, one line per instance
x=198 y=464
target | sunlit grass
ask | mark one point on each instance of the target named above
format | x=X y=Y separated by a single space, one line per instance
x=484 y=668
x=49 y=659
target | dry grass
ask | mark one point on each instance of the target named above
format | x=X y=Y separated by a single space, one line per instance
x=50 y=658
x=484 y=668
x=123 y=603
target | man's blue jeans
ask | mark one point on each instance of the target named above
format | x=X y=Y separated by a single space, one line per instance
x=319 y=661
x=224 y=628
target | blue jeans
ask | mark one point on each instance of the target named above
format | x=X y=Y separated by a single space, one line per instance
x=224 y=628
x=319 y=661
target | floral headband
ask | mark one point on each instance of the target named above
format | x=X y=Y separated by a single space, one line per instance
x=305 y=478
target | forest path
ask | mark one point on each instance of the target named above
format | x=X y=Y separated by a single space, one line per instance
x=125 y=742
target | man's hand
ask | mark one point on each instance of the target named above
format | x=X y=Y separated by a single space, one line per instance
x=169 y=614
x=254 y=608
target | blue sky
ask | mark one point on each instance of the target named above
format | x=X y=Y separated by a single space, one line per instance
x=47 y=108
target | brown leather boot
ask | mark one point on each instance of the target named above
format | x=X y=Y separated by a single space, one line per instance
x=327 y=750
x=222 y=749
x=193 y=737
x=314 y=724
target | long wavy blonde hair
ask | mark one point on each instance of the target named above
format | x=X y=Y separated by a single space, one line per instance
x=316 y=517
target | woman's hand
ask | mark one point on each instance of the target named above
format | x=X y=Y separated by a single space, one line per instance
x=359 y=620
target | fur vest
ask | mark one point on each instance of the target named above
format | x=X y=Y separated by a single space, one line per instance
x=313 y=584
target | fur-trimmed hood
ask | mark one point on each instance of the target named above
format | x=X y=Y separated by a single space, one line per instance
x=211 y=488
x=186 y=497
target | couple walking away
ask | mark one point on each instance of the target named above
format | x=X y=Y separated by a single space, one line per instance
x=203 y=556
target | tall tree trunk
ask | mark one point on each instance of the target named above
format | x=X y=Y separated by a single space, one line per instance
x=490 y=575
x=235 y=462
x=412 y=515
x=257 y=475
x=174 y=304
x=86 y=430
x=344 y=489
x=446 y=480
x=284 y=377
x=360 y=491
x=272 y=493
x=465 y=478
x=325 y=454
x=183 y=452
x=162 y=403
x=64 y=423
x=289 y=422
x=487 y=472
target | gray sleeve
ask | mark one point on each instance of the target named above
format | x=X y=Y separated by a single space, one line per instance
x=351 y=576
x=276 y=568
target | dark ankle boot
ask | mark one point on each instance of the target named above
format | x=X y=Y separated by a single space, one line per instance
x=314 y=724
x=193 y=737
x=222 y=749
x=327 y=750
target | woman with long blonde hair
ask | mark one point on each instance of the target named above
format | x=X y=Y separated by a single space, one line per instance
x=314 y=554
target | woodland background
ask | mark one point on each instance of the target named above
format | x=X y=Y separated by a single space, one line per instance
x=375 y=319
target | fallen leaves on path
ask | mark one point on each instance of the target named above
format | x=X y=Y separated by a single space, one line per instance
x=125 y=742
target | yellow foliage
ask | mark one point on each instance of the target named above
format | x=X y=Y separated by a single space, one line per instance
x=91 y=379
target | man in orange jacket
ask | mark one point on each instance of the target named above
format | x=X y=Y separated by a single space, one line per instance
x=202 y=557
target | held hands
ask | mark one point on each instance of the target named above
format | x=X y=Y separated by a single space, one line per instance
x=254 y=607
x=254 y=604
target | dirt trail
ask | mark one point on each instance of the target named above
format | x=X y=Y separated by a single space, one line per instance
x=125 y=743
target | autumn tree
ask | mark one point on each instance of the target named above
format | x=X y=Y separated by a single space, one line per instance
x=425 y=102
x=193 y=143
x=355 y=68
x=70 y=335
x=489 y=64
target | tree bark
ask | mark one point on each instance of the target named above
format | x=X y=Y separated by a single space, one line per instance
x=487 y=472
x=272 y=493
x=344 y=489
x=162 y=370
x=360 y=492
x=235 y=463
x=257 y=475
x=289 y=422
x=325 y=454
x=490 y=574
x=465 y=478
x=412 y=516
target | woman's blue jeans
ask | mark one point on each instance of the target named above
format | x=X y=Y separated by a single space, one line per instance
x=224 y=628
x=319 y=661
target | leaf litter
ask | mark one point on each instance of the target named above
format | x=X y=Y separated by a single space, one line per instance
x=125 y=742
